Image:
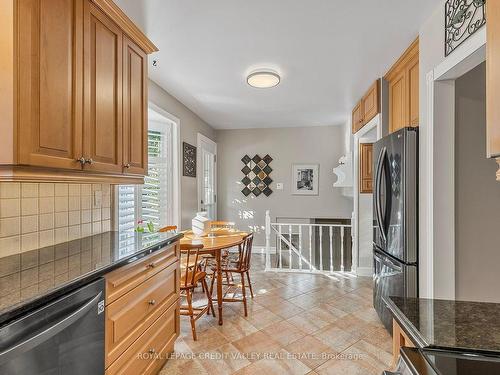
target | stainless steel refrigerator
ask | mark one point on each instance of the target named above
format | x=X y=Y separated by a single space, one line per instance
x=395 y=203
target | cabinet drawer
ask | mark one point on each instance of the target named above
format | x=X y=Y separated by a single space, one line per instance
x=130 y=315
x=128 y=277
x=149 y=352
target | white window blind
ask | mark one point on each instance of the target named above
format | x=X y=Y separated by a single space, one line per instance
x=153 y=200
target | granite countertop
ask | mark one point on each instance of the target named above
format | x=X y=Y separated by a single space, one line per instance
x=446 y=324
x=30 y=279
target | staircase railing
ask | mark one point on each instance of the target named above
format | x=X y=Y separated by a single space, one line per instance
x=307 y=247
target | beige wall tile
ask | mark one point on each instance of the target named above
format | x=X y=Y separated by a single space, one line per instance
x=86 y=229
x=86 y=203
x=46 y=190
x=96 y=214
x=10 y=190
x=106 y=200
x=96 y=227
x=61 y=235
x=74 y=203
x=61 y=190
x=61 y=219
x=46 y=238
x=10 y=245
x=10 y=227
x=29 y=206
x=106 y=225
x=86 y=216
x=74 y=232
x=74 y=218
x=106 y=213
x=86 y=190
x=29 y=190
x=74 y=190
x=46 y=205
x=47 y=221
x=29 y=224
x=29 y=242
x=10 y=207
x=61 y=204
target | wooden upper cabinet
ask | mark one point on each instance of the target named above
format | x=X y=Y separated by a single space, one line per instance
x=366 y=167
x=357 y=117
x=135 y=109
x=493 y=82
x=403 y=79
x=371 y=102
x=50 y=83
x=74 y=90
x=102 y=135
x=367 y=108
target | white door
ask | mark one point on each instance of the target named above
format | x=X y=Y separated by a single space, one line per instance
x=207 y=176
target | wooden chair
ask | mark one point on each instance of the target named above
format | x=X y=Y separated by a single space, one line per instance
x=191 y=275
x=169 y=228
x=238 y=263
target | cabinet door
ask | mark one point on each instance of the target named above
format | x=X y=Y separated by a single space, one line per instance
x=50 y=83
x=102 y=136
x=412 y=74
x=397 y=102
x=493 y=81
x=357 y=117
x=371 y=102
x=135 y=110
x=366 y=167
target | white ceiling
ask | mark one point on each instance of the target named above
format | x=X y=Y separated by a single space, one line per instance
x=328 y=52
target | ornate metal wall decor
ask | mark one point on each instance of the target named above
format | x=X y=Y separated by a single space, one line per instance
x=188 y=160
x=462 y=19
x=256 y=171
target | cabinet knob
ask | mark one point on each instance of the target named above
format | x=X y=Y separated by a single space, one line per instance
x=89 y=161
x=152 y=302
x=152 y=351
x=150 y=265
x=127 y=165
x=81 y=160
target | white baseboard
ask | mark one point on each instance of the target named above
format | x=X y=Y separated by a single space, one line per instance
x=261 y=249
x=364 y=271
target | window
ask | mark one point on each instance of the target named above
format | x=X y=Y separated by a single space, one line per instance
x=152 y=201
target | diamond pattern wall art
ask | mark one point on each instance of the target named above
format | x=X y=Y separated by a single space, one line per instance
x=256 y=173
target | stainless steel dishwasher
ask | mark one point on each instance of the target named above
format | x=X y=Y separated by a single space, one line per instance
x=64 y=337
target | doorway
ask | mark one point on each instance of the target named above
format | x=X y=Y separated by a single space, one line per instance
x=207 y=176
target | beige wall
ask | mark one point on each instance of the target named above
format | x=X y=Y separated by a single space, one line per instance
x=190 y=126
x=322 y=145
x=477 y=195
x=35 y=215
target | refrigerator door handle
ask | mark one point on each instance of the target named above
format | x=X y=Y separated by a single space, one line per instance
x=388 y=263
x=378 y=180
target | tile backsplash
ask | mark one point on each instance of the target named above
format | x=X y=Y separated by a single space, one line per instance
x=35 y=215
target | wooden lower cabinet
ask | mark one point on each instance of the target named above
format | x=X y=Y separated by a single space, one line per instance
x=142 y=313
x=399 y=339
x=150 y=351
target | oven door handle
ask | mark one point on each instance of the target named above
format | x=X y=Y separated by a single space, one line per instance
x=50 y=331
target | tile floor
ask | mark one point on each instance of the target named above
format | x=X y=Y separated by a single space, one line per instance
x=297 y=324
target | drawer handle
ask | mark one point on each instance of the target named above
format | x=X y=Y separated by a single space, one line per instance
x=150 y=265
x=152 y=351
x=152 y=302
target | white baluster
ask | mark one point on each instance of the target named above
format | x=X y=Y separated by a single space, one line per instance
x=342 y=248
x=268 y=240
x=331 y=248
x=310 y=248
x=320 y=228
x=290 y=255
x=300 y=246
x=279 y=247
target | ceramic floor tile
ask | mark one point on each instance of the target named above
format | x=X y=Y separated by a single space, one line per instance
x=284 y=332
x=283 y=363
x=310 y=351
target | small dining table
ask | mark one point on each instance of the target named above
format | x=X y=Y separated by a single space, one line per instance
x=213 y=243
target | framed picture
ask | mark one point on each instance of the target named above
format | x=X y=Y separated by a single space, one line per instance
x=188 y=160
x=305 y=179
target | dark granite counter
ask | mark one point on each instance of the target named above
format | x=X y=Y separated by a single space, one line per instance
x=443 y=324
x=31 y=279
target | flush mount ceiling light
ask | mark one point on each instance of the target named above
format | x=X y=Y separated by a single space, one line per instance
x=263 y=79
